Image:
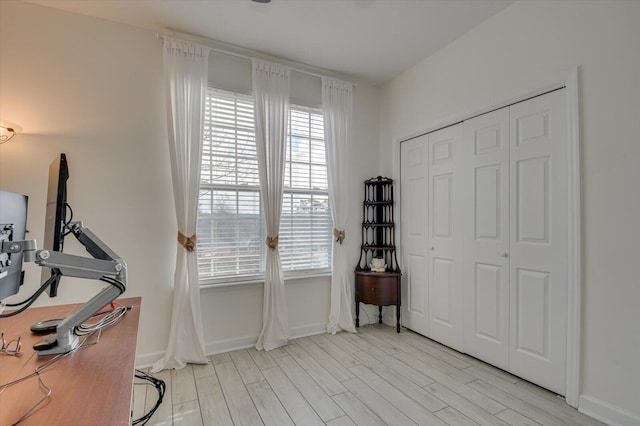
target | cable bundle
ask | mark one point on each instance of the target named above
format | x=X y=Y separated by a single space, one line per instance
x=160 y=387
x=111 y=318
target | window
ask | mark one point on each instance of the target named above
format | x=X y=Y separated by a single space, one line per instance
x=305 y=223
x=230 y=226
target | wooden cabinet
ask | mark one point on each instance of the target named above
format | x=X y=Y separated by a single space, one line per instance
x=378 y=288
x=378 y=284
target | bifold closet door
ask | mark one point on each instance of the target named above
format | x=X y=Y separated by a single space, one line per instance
x=515 y=239
x=486 y=235
x=538 y=234
x=430 y=231
x=445 y=237
x=414 y=234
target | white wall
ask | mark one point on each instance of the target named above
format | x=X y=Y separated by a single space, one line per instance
x=94 y=90
x=524 y=47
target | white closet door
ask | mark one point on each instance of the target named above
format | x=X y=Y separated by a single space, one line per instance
x=445 y=231
x=414 y=234
x=538 y=248
x=486 y=237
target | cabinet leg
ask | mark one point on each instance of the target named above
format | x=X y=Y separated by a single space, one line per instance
x=357 y=314
x=397 y=318
x=379 y=314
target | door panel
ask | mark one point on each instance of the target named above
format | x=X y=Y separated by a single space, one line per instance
x=445 y=290
x=414 y=233
x=485 y=268
x=417 y=287
x=441 y=205
x=489 y=313
x=488 y=202
x=532 y=313
x=442 y=284
x=532 y=204
x=538 y=248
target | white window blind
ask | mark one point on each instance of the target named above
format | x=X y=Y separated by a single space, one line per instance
x=305 y=224
x=230 y=227
x=229 y=223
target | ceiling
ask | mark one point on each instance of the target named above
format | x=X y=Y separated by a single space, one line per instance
x=373 y=40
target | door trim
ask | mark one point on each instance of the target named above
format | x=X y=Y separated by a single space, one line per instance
x=574 y=256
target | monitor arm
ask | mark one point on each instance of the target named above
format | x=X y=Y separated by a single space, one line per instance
x=105 y=263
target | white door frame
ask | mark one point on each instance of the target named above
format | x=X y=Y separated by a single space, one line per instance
x=574 y=255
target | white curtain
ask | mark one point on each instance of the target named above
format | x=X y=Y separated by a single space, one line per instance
x=337 y=106
x=185 y=70
x=271 y=93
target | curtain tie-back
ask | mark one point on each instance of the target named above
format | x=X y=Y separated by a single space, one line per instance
x=272 y=242
x=188 y=243
x=339 y=235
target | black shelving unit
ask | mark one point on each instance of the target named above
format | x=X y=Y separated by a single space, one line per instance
x=381 y=288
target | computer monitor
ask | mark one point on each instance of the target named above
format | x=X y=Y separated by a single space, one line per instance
x=13 y=220
x=55 y=220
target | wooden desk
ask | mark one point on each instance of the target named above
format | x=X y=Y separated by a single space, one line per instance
x=92 y=386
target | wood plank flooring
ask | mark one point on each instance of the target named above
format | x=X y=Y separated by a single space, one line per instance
x=375 y=377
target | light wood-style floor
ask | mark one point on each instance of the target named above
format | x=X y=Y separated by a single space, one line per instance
x=375 y=377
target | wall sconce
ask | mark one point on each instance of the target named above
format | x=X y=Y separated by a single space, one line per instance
x=6 y=133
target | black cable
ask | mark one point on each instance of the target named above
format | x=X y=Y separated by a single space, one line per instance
x=29 y=301
x=45 y=284
x=114 y=282
x=160 y=387
x=66 y=223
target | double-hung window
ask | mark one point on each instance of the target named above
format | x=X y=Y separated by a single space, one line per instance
x=230 y=225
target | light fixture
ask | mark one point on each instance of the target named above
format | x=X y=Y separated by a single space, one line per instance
x=6 y=133
x=262 y=1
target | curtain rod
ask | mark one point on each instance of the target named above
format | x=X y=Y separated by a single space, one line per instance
x=248 y=54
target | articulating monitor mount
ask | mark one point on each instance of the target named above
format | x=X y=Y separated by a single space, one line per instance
x=105 y=265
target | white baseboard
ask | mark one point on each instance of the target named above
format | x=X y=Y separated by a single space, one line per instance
x=147 y=360
x=608 y=413
x=236 y=343
x=307 y=330
x=227 y=345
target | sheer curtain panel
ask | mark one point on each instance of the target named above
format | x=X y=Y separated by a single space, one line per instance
x=271 y=94
x=185 y=70
x=337 y=107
